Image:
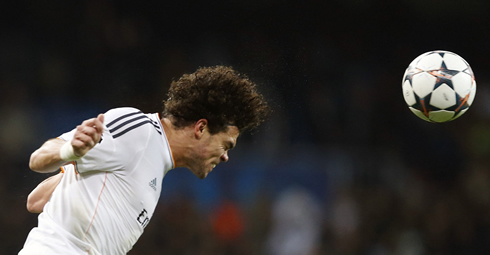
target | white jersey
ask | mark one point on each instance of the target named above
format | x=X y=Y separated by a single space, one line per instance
x=105 y=200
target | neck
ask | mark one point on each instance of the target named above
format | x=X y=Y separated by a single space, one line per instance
x=178 y=140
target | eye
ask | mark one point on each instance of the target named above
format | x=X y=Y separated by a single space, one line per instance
x=229 y=146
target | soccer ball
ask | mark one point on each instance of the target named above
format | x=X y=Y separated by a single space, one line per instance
x=439 y=86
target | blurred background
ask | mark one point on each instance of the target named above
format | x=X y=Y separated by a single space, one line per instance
x=341 y=167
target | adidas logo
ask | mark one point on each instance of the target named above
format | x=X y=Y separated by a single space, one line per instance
x=153 y=184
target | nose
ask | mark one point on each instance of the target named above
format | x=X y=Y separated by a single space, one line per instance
x=224 y=157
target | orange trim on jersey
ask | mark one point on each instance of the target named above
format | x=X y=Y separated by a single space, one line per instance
x=97 y=205
x=62 y=169
x=171 y=152
x=74 y=163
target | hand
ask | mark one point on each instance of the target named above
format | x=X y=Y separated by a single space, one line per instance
x=87 y=135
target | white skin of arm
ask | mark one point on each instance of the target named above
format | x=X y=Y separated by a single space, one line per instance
x=47 y=158
x=42 y=193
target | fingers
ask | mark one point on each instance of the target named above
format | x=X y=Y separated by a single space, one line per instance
x=96 y=123
x=101 y=118
x=99 y=124
x=87 y=135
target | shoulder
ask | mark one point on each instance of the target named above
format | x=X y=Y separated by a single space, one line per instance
x=115 y=113
x=117 y=116
x=120 y=121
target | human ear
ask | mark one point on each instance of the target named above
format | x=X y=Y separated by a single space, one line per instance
x=200 y=127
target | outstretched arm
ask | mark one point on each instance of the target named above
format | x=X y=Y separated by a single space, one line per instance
x=56 y=152
x=42 y=193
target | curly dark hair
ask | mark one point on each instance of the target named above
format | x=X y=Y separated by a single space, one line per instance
x=219 y=94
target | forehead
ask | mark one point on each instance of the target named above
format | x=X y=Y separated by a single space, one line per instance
x=230 y=135
x=231 y=131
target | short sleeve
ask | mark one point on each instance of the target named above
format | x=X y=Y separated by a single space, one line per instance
x=102 y=157
x=98 y=158
x=123 y=137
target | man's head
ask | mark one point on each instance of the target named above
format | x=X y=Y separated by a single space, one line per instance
x=218 y=94
x=215 y=104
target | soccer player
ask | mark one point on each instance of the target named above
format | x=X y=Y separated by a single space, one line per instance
x=113 y=165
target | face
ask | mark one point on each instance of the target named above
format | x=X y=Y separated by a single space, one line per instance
x=211 y=150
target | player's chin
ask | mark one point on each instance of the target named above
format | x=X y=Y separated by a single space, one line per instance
x=201 y=174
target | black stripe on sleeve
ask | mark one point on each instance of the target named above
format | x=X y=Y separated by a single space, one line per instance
x=122 y=117
x=126 y=122
x=133 y=127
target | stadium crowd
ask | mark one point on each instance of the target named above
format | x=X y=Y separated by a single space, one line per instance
x=342 y=167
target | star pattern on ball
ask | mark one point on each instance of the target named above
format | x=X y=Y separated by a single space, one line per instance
x=439 y=86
